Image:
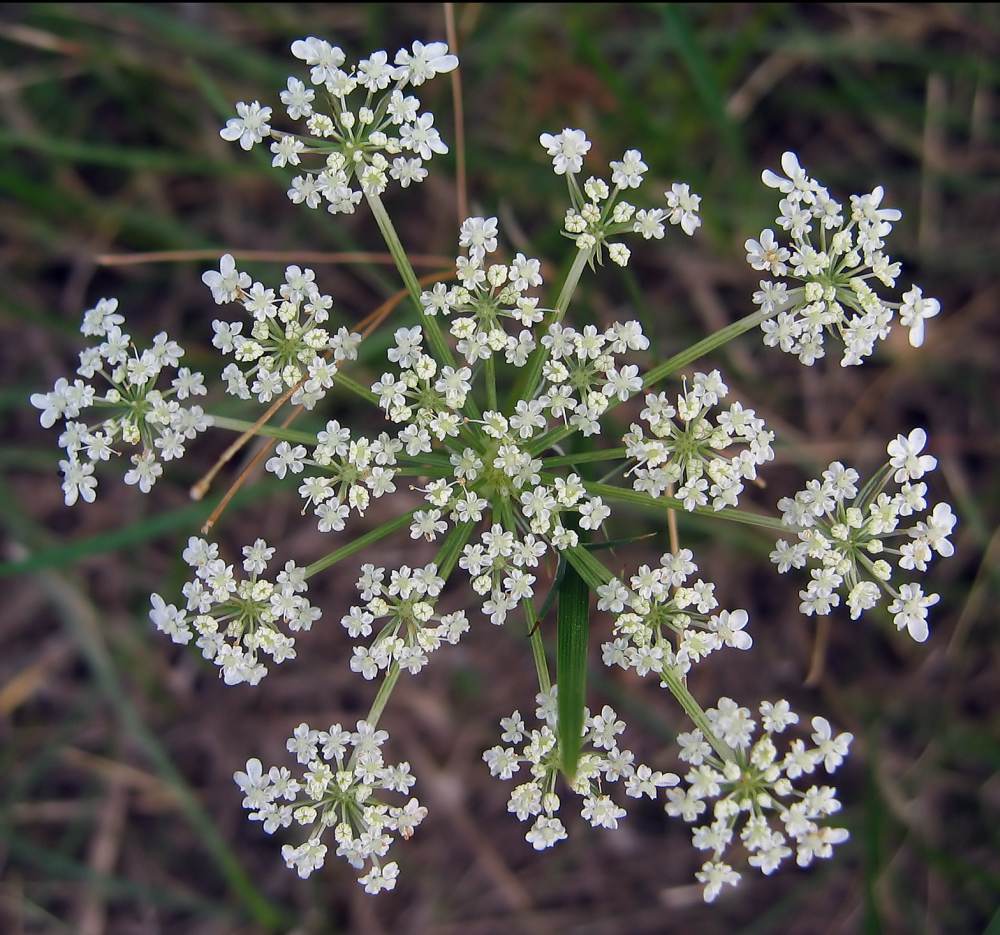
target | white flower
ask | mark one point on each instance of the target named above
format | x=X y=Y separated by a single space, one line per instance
x=915 y=311
x=832 y=749
x=404 y=611
x=362 y=139
x=796 y=182
x=905 y=457
x=375 y=73
x=286 y=151
x=169 y=620
x=380 y=878
x=286 y=458
x=545 y=832
x=767 y=254
x=684 y=206
x=422 y=138
x=144 y=471
x=78 y=482
x=730 y=628
x=714 y=875
x=324 y=58
x=226 y=283
x=479 y=235
x=704 y=458
x=567 y=150
x=662 y=622
x=423 y=62
x=297 y=99
x=909 y=610
x=97 y=321
x=627 y=173
x=650 y=223
x=249 y=127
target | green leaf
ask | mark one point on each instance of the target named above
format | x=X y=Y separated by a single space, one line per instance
x=573 y=626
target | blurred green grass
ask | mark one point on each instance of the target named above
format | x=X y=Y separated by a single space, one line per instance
x=109 y=120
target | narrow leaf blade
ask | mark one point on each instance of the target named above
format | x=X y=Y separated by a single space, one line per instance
x=573 y=630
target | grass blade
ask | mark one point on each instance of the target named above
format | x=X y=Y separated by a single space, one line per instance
x=114 y=540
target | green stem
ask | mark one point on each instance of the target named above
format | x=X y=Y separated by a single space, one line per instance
x=584 y=457
x=694 y=711
x=530 y=375
x=358 y=389
x=593 y=571
x=667 y=368
x=268 y=431
x=658 y=504
x=705 y=346
x=446 y=560
x=569 y=286
x=424 y=471
x=505 y=513
x=572 y=639
x=431 y=328
x=384 y=692
x=428 y=460
x=451 y=548
x=537 y=646
x=356 y=545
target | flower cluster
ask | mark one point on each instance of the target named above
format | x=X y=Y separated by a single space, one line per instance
x=503 y=494
x=428 y=403
x=131 y=410
x=425 y=400
x=754 y=797
x=836 y=267
x=510 y=472
x=287 y=346
x=661 y=621
x=850 y=538
x=349 y=472
x=238 y=621
x=602 y=764
x=488 y=295
x=367 y=132
x=705 y=458
x=582 y=376
x=598 y=213
x=342 y=787
x=403 y=609
x=500 y=566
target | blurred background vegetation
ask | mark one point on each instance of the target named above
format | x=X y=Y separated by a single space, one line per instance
x=117 y=809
